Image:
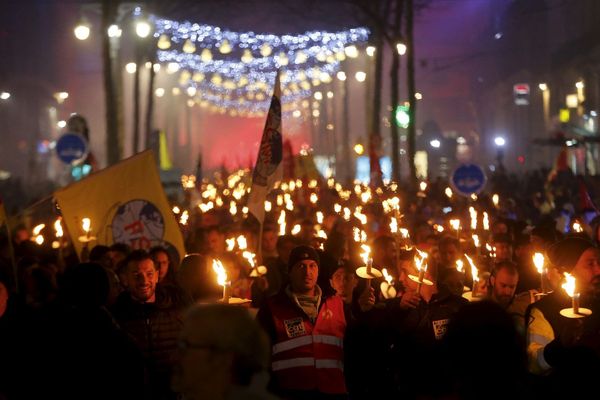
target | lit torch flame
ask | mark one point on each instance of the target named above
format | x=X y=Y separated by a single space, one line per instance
x=577 y=227
x=58 y=228
x=387 y=276
x=250 y=257
x=538 y=261
x=296 y=229
x=86 y=224
x=455 y=224
x=220 y=271
x=365 y=255
x=476 y=241
x=230 y=244
x=569 y=285
x=486 y=221
x=38 y=228
x=319 y=217
x=474 y=270
x=495 y=199
x=393 y=225
x=460 y=266
x=473 y=215
x=242 y=243
x=281 y=222
x=404 y=233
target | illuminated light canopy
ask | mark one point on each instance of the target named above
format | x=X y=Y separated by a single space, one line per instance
x=246 y=63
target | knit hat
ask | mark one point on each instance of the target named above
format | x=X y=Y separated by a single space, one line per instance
x=301 y=253
x=565 y=254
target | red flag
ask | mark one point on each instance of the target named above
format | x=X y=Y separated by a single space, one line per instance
x=585 y=201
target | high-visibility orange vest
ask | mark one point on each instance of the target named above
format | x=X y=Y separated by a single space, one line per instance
x=308 y=356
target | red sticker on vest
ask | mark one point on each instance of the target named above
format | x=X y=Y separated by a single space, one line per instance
x=294 y=327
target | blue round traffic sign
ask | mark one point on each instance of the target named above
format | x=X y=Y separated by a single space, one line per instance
x=71 y=147
x=468 y=179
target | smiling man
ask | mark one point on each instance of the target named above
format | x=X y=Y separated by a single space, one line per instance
x=307 y=331
x=148 y=315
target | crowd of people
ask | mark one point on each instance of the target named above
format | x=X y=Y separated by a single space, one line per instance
x=446 y=311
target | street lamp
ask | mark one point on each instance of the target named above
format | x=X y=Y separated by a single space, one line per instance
x=341 y=75
x=82 y=30
x=401 y=48
x=360 y=76
x=435 y=143
x=500 y=142
x=4 y=95
x=114 y=31
x=142 y=29
x=543 y=86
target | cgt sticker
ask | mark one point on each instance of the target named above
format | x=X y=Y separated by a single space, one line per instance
x=294 y=327
x=440 y=327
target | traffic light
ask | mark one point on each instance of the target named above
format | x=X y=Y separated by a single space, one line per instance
x=402 y=116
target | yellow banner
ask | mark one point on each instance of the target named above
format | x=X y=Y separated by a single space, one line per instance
x=125 y=204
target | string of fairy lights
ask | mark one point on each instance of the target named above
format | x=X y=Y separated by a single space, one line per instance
x=226 y=71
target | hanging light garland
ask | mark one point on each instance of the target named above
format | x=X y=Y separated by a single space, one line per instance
x=235 y=71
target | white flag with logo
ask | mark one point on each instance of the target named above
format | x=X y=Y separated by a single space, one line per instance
x=269 y=167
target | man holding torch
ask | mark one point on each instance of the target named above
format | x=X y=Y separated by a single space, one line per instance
x=307 y=331
x=553 y=341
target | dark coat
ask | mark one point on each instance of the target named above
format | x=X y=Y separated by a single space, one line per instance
x=155 y=328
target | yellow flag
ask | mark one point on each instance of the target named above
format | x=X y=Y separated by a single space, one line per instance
x=163 y=152
x=125 y=204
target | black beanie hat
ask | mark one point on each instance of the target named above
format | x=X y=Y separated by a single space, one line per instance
x=565 y=254
x=301 y=253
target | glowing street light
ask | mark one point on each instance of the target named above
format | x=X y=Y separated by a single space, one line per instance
x=142 y=29
x=499 y=141
x=543 y=86
x=401 y=48
x=114 y=31
x=341 y=75
x=4 y=95
x=360 y=76
x=82 y=30
x=131 y=67
x=435 y=143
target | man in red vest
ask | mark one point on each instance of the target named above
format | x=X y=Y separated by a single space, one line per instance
x=307 y=333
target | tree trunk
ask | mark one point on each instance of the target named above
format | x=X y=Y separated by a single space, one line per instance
x=150 y=106
x=395 y=93
x=136 y=106
x=348 y=167
x=412 y=111
x=394 y=99
x=113 y=154
x=374 y=133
